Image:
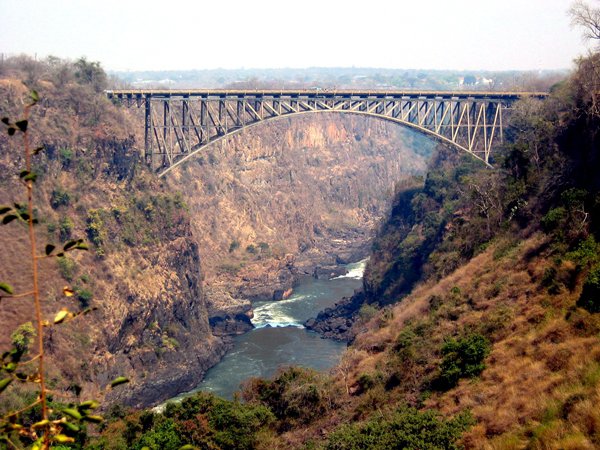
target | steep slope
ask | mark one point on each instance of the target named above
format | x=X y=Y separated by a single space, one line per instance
x=479 y=326
x=289 y=198
x=143 y=269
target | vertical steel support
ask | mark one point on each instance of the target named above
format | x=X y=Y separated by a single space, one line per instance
x=148 y=131
x=185 y=129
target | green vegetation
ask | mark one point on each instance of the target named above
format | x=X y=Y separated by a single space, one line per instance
x=406 y=428
x=295 y=396
x=65 y=229
x=36 y=421
x=462 y=358
x=590 y=295
x=96 y=229
x=233 y=246
x=202 y=421
x=67 y=267
x=60 y=197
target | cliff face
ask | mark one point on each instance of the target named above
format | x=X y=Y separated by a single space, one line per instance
x=142 y=272
x=292 y=196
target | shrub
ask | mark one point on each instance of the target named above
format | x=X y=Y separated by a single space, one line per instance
x=295 y=395
x=590 y=295
x=212 y=422
x=66 y=156
x=553 y=219
x=251 y=249
x=462 y=358
x=85 y=297
x=233 y=246
x=59 y=197
x=22 y=336
x=164 y=436
x=367 y=312
x=67 y=267
x=407 y=428
x=230 y=268
x=65 y=229
x=96 y=229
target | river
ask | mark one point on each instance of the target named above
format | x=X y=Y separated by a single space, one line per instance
x=280 y=339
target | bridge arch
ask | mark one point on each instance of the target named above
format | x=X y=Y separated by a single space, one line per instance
x=179 y=124
x=200 y=147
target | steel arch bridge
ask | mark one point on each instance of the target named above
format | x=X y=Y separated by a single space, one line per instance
x=179 y=124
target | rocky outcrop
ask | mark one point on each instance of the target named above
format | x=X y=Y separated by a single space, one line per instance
x=228 y=315
x=142 y=274
x=337 y=322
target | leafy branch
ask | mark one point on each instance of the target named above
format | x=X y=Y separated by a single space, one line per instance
x=56 y=425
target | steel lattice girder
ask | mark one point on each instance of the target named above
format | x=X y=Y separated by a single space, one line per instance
x=178 y=124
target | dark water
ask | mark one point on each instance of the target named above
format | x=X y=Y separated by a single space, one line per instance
x=279 y=338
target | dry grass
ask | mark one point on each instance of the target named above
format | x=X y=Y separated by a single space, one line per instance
x=541 y=387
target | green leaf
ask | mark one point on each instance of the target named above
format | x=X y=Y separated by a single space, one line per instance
x=81 y=246
x=4 y=384
x=89 y=404
x=49 y=249
x=63 y=439
x=72 y=413
x=70 y=426
x=4 y=209
x=188 y=447
x=94 y=419
x=119 y=380
x=41 y=424
x=34 y=96
x=6 y=288
x=22 y=125
x=8 y=219
x=69 y=245
x=61 y=316
x=10 y=367
x=31 y=177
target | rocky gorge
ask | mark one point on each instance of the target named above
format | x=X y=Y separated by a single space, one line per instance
x=175 y=264
x=294 y=197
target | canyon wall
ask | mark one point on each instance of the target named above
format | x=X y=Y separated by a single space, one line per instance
x=293 y=197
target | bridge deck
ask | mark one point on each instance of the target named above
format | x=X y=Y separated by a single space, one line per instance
x=320 y=93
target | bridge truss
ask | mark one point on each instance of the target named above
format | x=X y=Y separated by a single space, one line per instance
x=179 y=124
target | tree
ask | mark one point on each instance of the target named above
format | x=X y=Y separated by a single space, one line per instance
x=586 y=17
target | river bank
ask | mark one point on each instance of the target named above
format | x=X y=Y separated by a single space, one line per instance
x=279 y=337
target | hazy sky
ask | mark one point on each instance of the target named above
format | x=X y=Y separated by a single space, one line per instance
x=178 y=34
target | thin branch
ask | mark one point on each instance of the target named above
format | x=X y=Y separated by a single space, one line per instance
x=36 y=291
x=14 y=413
x=24 y=294
x=29 y=361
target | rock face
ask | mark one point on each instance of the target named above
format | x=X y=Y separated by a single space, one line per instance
x=257 y=210
x=228 y=315
x=276 y=201
x=142 y=273
x=336 y=322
